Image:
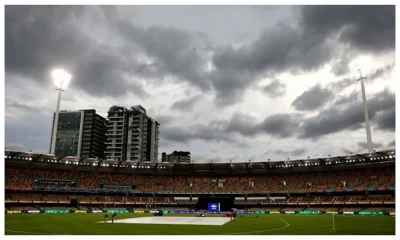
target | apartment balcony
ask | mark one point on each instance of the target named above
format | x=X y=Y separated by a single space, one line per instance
x=111 y=145
x=114 y=133
x=115 y=117
x=114 y=147
x=109 y=142
x=116 y=121
x=97 y=143
x=114 y=138
x=110 y=151
x=98 y=128
x=98 y=134
x=111 y=126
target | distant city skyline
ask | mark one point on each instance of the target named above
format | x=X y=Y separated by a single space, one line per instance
x=226 y=83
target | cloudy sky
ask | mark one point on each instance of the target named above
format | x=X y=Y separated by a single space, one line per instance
x=225 y=82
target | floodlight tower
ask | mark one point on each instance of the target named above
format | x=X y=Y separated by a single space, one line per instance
x=61 y=80
x=367 y=125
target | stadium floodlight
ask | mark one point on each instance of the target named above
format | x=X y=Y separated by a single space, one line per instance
x=61 y=80
x=361 y=78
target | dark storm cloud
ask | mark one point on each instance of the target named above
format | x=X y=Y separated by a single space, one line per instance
x=294 y=152
x=229 y=85
x=241 y=123
x=274 y=89
x=99 y=48
x=175 y=52
x=312 y=99
x=39 y=38
x=368 y=28
x=347 y=99
x=347 y=151
x=107 y=53
x=392 y=143
x=195 y=132
x=284 y=48
x=164 y=119
x=340 y=66
x=305 y=46
x=336 y=118
x=364 y=145
x=350 y=117
x=281 y=125
x=381 y=71
x=186 y=104
x=371 y=77
x=12 y=105
x=343 y=83
x=176 y=134
x=216 y=130
x=386 y=120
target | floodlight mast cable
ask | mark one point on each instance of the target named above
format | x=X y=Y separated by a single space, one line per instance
x=61 y=80
x=367 y=124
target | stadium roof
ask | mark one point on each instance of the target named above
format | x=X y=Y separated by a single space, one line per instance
x=91 y=164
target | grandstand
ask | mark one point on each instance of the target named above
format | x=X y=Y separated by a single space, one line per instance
x=344 y=183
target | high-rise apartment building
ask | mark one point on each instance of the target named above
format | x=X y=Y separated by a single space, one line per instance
x=131 y=135
x=80 y=133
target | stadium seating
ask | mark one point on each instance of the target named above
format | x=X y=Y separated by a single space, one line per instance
x=365 y=178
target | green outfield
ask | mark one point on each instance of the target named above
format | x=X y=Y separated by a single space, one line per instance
x=273 y=224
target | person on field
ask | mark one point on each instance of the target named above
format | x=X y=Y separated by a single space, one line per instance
x=105 y=218
x=114 y=216
x=234 y=216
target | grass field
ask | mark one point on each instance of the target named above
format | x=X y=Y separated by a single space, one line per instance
x=274 y=224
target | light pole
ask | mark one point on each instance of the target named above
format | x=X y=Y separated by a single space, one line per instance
x=61 y=81
x=367 y=125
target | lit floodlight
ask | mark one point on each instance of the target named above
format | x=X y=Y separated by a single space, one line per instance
x=61 y=79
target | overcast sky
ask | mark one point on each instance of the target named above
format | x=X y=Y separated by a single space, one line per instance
x=225 y=82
